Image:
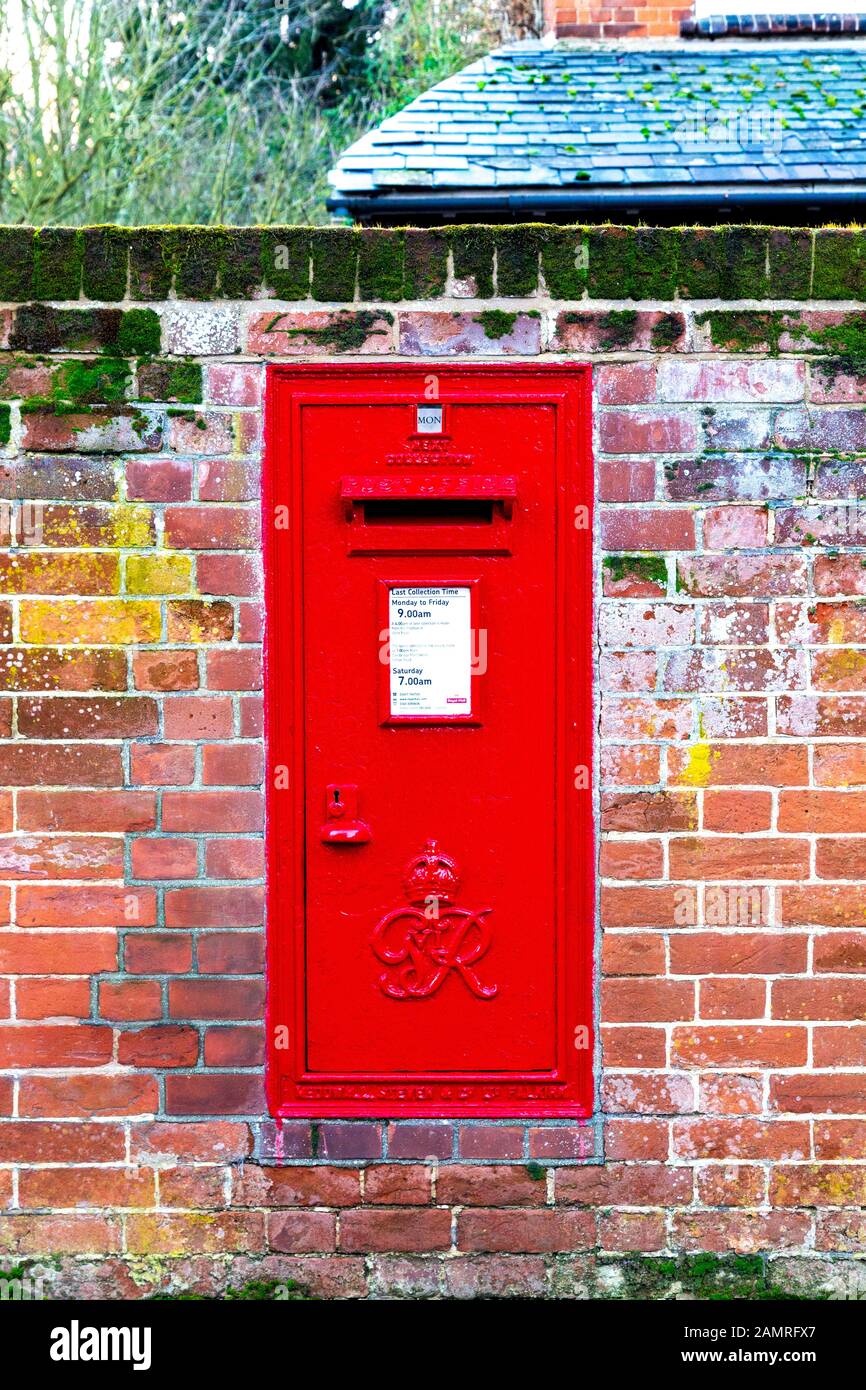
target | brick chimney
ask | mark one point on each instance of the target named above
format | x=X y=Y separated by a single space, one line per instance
x=632 y=19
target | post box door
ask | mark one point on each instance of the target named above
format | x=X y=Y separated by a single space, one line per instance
x=429 y=696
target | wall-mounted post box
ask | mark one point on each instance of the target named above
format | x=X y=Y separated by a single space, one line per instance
x=429 y=724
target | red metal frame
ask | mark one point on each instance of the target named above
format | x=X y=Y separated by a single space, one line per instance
x=568 y=1092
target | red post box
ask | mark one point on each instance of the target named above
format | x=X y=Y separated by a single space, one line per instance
x=429 y=728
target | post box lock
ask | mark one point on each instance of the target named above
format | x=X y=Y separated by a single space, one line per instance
x=342 y=826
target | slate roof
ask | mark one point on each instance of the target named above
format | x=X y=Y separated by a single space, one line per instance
x=532 y=129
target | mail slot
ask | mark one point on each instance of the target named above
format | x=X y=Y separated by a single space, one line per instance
x=429 y=730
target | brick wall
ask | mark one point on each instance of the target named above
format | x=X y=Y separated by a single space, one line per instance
x=730 y=438
x=593 y=19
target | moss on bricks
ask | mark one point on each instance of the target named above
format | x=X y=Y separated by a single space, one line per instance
x=847 y=343
x=652 y=569
x=380 y=263
x=723 y=263
x=102 y=381
x=616 y=329
x=518 y=250
x=5 y=424
x=711 y=1277
x=472 y=250
x=632 y=262
x=497 y=323
x=667 y=331
x=151 y=262
x=285 y=263
x=335 y=262
x=170 y=381
x=840 y=265
x=564 y=261
x=790 y=264
x=139 y=333
x=42 y=328
x=105 y=263
x=240 y=268
x=425 y=263
x=198 y=254
x=745 y=330
x=57 y=258
x=745 y=267
x=16 y=264
x=701 y=263
x=345 y=331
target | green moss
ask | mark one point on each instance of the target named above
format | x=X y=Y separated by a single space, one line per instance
x=564 y=261
x=667 y=331
x=101 y=381
x=139 y=334
x=790 y=259
x=42 y=328
x=380 y=263
x=536 y=1172
x=649 y=569
x=840 y=265
x=496 y=322
x=745 y=330
x=16 y=264
x=105 y=262
x=198 y=254
x=286 y=254
x=518 y=251
x=425 y=263
x=723 y=263
x=5 y=423
x=847 y=342
x=57 y=258
x=170 y=381
x=712 y=1277
x=616 y=329
x=632 y=262
x=254 y=1290
x=345 y=331
x=240 y=269
x=472 y=251
x=334 y=253
x=151 y=262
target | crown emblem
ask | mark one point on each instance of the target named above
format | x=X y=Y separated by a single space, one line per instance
x=431 y=874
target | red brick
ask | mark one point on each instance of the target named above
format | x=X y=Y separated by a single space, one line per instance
x=94 y=811
x=30 y=1141
x=39 y=998
x=205 y=1142
x=229 y=999
x=739 y=1045
x=214 y=907
x=130 y=1000
x=742 y=1232
x=54 y=1045
x=234 y=859
x=234 y=1047
x=645 y=431
x=164 y=858
x=740 y=1137
x=398 y=1228
x=162 y=953
x=198 y=716
x=322 y=1185
x=86 y=1097
x=531 y=1231
x=231 y=953
x=227 y=812
x=474 y=1185
x=88 y=906
x=162 y=670
x=232 y=764
x=168 y=1045
x=162 y=765
x=653 y=528
x=632 y=1230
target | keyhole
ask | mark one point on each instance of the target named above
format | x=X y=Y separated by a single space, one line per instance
x=336 y=796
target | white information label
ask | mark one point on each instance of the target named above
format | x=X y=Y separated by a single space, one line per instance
x=431 y=651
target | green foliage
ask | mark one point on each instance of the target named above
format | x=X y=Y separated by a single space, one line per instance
x=219 y=112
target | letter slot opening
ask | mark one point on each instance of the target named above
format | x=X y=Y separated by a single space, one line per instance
x=432 y=513
x=428 y=511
